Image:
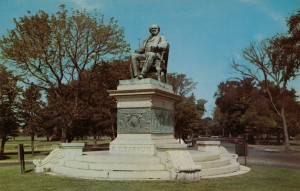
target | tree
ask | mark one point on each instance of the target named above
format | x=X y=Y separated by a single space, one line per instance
x=271 y=68
x=242 y=108
x=275 y=62
x=53 y=50
x=189 y=111
x=181 y=84
x=9 y=93
x=30 y=109
x=99 y=116
x=101 y=108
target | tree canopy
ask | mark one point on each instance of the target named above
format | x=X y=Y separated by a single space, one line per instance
x=53 y=52
x=9 y=97
x=273 y=64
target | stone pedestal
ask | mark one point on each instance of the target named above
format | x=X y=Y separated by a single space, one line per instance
x=145 y=108
x=145 y=148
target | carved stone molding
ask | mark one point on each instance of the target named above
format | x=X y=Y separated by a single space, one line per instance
x=145 y=120
x=182 y=166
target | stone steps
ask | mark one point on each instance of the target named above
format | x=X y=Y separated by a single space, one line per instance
x=111 y=175
x=105 y=165
x=167 y=142
x=113 y=158
x=204 y=156
x=223 y=161
x=214 y=164
x=233 y=167
x=170 y=146
x=114 y=167
x=123 y=166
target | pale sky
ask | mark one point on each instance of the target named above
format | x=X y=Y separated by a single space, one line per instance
x=205 y=35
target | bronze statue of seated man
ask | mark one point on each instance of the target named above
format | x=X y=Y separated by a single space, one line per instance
x=155 y=48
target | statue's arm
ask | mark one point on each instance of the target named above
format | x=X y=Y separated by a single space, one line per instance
x=141 y=49
x=163 y=44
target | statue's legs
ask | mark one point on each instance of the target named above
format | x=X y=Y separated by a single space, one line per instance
x=135 y=62
x=150 y=57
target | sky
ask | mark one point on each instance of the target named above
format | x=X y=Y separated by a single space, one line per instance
x=204 y=35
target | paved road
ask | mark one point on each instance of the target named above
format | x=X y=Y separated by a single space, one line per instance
x=268 y=157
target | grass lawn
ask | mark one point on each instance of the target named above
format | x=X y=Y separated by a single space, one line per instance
x=42 y=147
x=260 y=178
x=40 y=143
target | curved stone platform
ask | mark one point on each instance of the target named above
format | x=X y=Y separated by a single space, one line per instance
x=106 y=165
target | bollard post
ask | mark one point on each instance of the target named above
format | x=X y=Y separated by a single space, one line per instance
x=246 y=152
x=21 y=157
x=241 y=149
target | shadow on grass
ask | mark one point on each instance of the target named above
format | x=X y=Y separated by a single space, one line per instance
x=5 y=157
x=28 y=171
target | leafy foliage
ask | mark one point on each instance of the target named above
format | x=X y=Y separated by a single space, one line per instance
x=244 y=108
x=9 y=94
x=53 y=52
x=30 y=109
x=96 y=114
x=189 y=111
x=273 y=64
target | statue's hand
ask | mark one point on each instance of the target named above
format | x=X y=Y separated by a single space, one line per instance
x=154 y=48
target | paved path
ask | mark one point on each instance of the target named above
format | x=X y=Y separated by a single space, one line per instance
x=268 y=157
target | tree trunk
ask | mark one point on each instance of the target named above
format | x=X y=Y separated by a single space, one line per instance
x=3 y=141
x=278 y=136
x=32 y=145
x=223 y=131
x=63 y=135
x=286 y=141
x=95 y=140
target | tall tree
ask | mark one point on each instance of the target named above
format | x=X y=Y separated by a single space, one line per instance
x=9 y=93
x=242 y=108
x=275 y=62
x=98 y=116
x=189 y=111
x=52 y=50
x=30 y=111
x=271 y=66
x=101 y=115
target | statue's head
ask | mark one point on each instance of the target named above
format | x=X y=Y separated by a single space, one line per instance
x=154 y=29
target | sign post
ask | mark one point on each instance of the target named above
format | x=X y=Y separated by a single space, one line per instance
x=21 y=157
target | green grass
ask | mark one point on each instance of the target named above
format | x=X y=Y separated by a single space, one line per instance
x=42 y=147
x=28 y=155
x=40 y=143
x=259 y=178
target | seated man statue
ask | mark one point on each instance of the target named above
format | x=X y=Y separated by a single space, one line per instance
x=151 y=50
